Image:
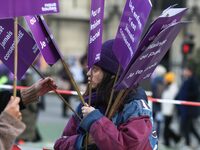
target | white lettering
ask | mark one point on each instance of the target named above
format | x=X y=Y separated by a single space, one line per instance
x=93 y=38
x=6 y=39
x=50 y=7
x=32 y=21
x=1 y=29
x=126 y=42
x=95 y=24
x=137 y=17
x=154 y=53
x=11 y=49
x=143 y=57
x=158 y=44
x=130 y=34
x=131 y=23
x=131 y=75
x=35 y=48
x=147 y=76
x=96 y=12
x=43 y=44
x=150 y=67
x=167 y=25
x=97 y=57
x=131 y=6
x=138 y=72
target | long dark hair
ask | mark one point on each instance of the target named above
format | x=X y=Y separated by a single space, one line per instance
x=103 y=90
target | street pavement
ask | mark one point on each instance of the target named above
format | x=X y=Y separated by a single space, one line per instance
x=50 y=123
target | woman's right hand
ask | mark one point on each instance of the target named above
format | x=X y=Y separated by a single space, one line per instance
x=13 y=108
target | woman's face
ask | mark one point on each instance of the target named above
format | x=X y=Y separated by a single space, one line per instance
x=95 y=76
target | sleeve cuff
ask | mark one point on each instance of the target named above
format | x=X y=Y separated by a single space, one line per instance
x=90 y=119
x=79 y=142
x=29 y=95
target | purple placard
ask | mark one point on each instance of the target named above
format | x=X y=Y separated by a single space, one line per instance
x=96 y=31
x=44 y=39
x=15 y=8
x=27 y=48
x=132 y=23
x=145 y=64
x=167 y=18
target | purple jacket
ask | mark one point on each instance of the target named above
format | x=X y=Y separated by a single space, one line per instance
x=130 y=129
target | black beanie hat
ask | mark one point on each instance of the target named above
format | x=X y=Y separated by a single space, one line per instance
x=108 y=60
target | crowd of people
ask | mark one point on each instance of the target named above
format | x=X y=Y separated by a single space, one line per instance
x=165 y=86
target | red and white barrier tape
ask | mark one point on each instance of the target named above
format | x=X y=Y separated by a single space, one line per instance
x=66 y=92
x=177 y=102
x=154 y=100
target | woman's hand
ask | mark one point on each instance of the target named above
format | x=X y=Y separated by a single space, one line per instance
x=12 y=108
x=87 y=109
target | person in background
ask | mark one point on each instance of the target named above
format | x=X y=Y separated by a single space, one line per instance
x=157 y=86
x=168 y=109
x=189 y=91
x=130 y=127
x=30 y=114
x=83 y=62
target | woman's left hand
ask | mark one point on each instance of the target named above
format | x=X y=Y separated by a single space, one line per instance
x=86 y=109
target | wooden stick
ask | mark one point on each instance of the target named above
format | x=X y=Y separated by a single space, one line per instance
x=89 y=103
x=90 y=89
x=15 y=57
x=116 y=103
x=72 y=81
x=112 y=92
x=59 y=95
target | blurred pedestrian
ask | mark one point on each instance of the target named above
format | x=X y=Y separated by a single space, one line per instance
x=168 y=109
x=157 y=86
x=65 y=84
x=30 y=114
x=189 y=91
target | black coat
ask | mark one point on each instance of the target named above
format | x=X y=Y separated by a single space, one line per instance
x=189 y=91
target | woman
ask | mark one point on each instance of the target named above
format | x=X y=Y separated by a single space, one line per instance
x=129 y=128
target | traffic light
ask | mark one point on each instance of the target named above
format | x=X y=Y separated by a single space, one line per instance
x=187 y=47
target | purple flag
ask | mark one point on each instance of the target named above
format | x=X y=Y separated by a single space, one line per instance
x=44 y=39
x=145 y=64
x=167 y=18
x=96 y=30
x=15 y=8
x=132 y=23
x=27 y=48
